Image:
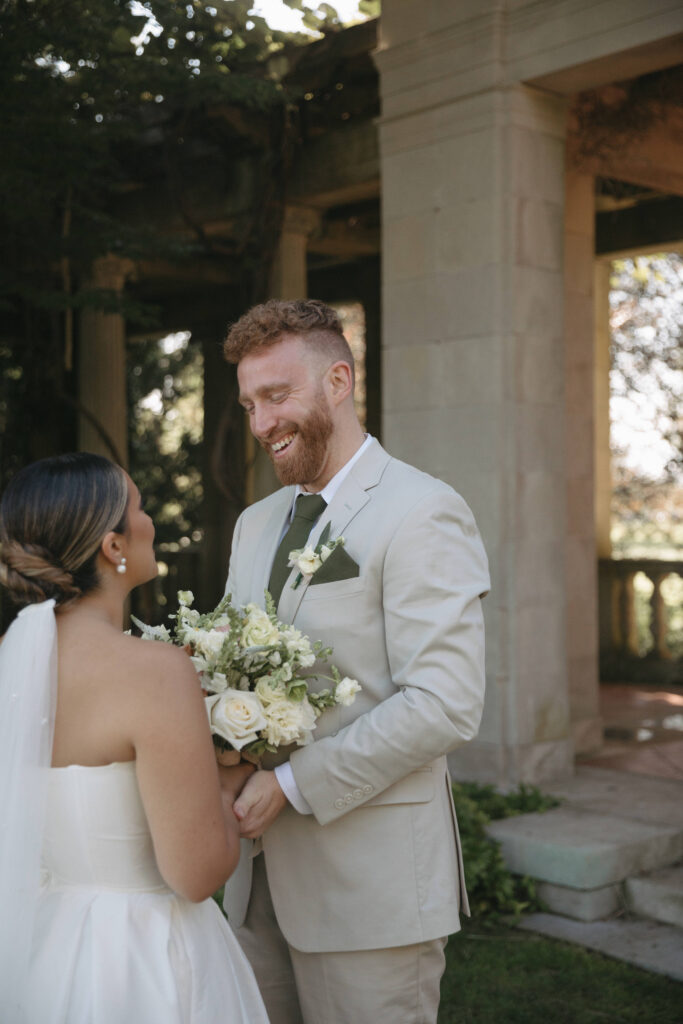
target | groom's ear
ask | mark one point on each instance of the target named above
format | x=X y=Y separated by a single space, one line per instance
x=339 y=379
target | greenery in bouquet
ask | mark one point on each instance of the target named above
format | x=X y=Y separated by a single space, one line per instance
x=255 y=671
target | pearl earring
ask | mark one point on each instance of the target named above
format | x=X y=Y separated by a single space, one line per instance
x=121 y=567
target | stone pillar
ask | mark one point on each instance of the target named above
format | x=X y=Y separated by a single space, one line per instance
x=288 y=280
x=102 y=369
x=581 y=552
x=473 y=347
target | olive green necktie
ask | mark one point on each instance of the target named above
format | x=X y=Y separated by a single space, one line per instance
x=306 y=510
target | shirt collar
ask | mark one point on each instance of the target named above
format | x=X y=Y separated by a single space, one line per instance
x=328 y=492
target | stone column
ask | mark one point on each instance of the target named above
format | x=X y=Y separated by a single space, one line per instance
x=102 y=369
x=473 y=347
x=288 y=280
x=581 y=552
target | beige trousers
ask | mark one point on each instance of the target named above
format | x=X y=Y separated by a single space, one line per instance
x=375 y=986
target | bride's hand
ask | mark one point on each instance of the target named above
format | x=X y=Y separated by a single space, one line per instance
x=233 y=779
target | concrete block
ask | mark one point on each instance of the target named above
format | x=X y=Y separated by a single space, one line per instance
x=536 y=168
x=408 y=247
x=425 y=438
x=472 y=371
x=408 y=312
x=537 y=302
x=467 y=234
x=658 y=896
x=539 y=438
x=467 y=303
x=587 y=734
x=647 y=944
x=466 y=168
x=540 y=504
x=539 y=367
x=540 y=571
x=639 y=798
x=539 y=234
x=581 y=904
x=538 y=763
x=412 y=376
x=409 y=180
x=573 y=847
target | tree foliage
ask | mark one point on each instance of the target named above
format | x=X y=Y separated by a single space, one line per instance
x=646 y=321
x=117 y=117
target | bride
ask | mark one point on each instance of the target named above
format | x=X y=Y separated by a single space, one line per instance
x=117 y=823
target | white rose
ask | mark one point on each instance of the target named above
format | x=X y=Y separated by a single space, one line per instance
x=289 y=722
x=236 y=716
x=346 y=690
x=268 y=690
x=258 y=630
x=306 y=560
x=208 y=642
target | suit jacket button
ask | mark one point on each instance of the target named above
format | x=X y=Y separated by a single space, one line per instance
x=348 y=799
x=358 y=794
x=339 y=803
x=367 y=790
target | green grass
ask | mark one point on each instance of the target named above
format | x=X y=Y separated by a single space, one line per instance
x=499 y=975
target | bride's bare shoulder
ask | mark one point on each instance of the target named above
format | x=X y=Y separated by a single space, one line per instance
x=152 y=661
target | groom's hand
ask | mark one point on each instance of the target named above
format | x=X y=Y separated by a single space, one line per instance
x=259 y=804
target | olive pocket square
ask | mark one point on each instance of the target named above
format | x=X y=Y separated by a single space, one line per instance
x=339 y=566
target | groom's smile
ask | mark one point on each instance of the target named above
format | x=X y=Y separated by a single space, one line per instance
x=283 y=393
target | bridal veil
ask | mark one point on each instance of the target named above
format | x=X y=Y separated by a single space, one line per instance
x=28 y=692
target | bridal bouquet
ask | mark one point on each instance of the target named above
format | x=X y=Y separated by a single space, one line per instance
x=251 y=667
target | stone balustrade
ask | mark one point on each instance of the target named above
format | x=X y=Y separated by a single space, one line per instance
x=621 y=655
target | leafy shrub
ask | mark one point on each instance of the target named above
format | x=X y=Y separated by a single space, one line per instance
x=493 y=890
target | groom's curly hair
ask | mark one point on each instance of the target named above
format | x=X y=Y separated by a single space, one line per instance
x=316 y=324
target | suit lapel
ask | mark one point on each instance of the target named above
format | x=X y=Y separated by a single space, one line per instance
x=264 y=552
x=351 y=497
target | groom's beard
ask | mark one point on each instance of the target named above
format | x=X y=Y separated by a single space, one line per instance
x=304 y=463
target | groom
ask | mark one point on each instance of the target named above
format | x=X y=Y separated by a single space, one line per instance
x=345 y=915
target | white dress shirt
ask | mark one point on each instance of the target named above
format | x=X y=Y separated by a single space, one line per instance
x=283 y=772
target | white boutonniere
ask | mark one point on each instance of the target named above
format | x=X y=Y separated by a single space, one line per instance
x=309 y=559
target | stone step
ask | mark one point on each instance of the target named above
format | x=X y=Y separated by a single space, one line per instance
x=647 y=944
x=576 y=848
x=658 y=896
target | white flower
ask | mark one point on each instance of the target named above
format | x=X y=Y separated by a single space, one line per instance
x=258 y=630
x=346 y=690
x=236 y=716
x=156 y=633
x=268 y=689
x=185 y=597
x=200 y=663
x=219 y=683
x=306 y=560
x=289 y=722
x=325 y=552
x=206 y=642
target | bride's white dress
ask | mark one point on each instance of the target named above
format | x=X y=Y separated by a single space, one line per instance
x=113 y=944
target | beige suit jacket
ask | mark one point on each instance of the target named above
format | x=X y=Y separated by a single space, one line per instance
x=378 y=863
